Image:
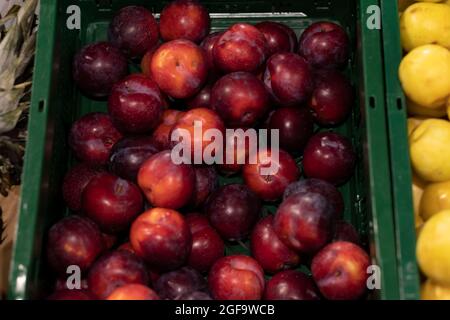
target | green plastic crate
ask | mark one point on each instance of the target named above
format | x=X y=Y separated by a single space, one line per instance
x=405 y=231
x=56 y=103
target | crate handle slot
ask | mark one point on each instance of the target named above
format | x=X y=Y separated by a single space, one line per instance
x=372 y=102
x=399 y=103
x=41 y=105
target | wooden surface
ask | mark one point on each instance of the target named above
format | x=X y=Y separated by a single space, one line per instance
x=9 y=207
x=9 y=204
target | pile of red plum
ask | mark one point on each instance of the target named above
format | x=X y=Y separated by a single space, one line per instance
x=145 y=228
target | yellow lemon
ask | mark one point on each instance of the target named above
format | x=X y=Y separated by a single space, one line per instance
x=432 y=291
x=425 y=23
x=433 y=248
x=417 y=191
x=413 y=123
x=425 y=75
x=435 y=198
x=429 y=146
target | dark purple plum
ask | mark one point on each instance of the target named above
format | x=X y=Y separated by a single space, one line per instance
x=128 y=155
x=325 y=45
x=202 y=99
x=332 y=98
x=206 y=181
x=288 y=78
x=270 y=252
x=279 y=37
x=305 y=221
x=134 y=30
x=92 y=137
x=208 y=45
x=75 y=180
x=295 y=127
x=345 y=231
x=74 y=240
x=207 y=245
x=113 y=203
x=136 y=104
x=329 y=156
x=240 y=99
x=322 y=187
x=291 y=285
x=115 y=269
x=175 y=284
x=96 y=67
x=233 y=210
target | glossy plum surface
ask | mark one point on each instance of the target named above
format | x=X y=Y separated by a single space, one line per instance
x=305 y=221
x=329 y=156
x=207 y=245
x=74 y=240
x=75 y=180
x=279 y=37
x=112 y=202
x=129 y=153
x=208 y=45
x=135 y=104
x=202 y=99
x=96 y=67
x=240 y=99
x=161 y=135
x=162 y=238
x=159 y=174
x=175 y=284
x=332 y=98
x=322 y=187
x=236 y=277
x=345 y=231
x=133 y=292
x=270 y=252
x=325 y=45
x=184 y=19
x=233 y=211
x=92 y=137
x=288 y=78
x=237 y=151
x=340 y=271
x=295 y=127
x=206 y=182
x=271 y=174
x=115 y=269
x=202 y=120
x=134 y=30
x=179 y=67
x=241 y=48
x=291 y=285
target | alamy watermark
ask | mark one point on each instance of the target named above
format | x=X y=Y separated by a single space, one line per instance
x=373 y=18
x=373 y=281
x=219 y=149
